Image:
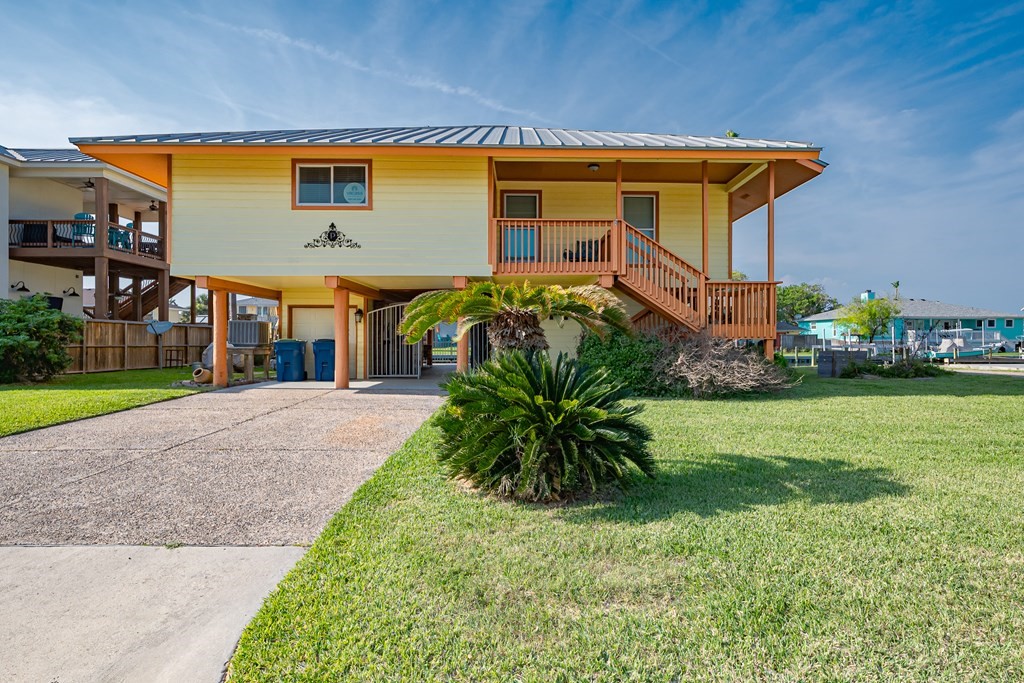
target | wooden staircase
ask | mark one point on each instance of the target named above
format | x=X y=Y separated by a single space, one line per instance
x=125 y=308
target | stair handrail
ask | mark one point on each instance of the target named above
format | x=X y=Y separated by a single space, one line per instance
x=664 y=259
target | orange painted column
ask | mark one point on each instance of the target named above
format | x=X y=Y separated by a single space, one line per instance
x=704 y=219
x=341 y=338
x=219 y=310
x=462 y=351
x=769 y=344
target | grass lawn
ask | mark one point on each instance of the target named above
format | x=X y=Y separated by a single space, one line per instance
x=851 y=530
x=72 y=397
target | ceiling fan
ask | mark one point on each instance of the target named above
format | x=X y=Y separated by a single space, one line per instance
x=88 y=184
x=153 y=206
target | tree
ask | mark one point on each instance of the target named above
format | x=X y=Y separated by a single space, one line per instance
x=896 y=289
x=802 y=300
x=739 y=276
x=514 y=312
x=202 y=308
x=34 y=339
x=868 y=318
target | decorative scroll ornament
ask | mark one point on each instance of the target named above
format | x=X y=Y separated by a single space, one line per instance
x=332 y=237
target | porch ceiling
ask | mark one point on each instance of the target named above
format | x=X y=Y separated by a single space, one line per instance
x=632 y=171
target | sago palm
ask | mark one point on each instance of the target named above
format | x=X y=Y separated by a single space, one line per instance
x=514 y=312
x=524 y=427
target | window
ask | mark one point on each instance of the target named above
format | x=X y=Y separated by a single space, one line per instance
x=331 y=185
x=814 y=326
x=1008 y=323
x=991 y=322
x=978 y=324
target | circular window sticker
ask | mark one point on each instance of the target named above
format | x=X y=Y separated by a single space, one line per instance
x=354 y=193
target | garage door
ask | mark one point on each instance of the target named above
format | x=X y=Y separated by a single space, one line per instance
x=318 y=323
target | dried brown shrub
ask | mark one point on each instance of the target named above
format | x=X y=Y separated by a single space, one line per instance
x=709 y=367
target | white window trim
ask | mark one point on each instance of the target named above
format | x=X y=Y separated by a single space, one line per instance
x=299 y=165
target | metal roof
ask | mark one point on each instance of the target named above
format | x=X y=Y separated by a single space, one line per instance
x=61 y=156
x=10 y=154
x=925 y=308
x=452 y=136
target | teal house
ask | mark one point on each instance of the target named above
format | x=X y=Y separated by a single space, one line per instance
x=934 y=319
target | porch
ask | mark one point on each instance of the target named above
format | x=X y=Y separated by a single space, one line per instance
x=660 y=232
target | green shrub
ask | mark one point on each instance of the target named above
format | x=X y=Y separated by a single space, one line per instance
x=34 y=339
x=522 y=427
x=629 y=360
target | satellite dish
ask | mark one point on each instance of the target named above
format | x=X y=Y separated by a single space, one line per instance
x=158 y=327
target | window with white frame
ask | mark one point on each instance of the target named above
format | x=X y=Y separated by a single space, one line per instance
x=332 y=184
x=1008 y=323
x=991 y=322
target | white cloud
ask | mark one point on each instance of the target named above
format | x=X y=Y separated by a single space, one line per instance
x=31 y=118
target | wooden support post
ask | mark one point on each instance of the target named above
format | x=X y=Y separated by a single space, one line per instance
x=462 y=351
x=219 y=312
x=492 y=236
x=137 y=237
x=114 y=288
x=137 y=312
x=341 y=370
x=769 y=344
x=771 y=221
x=163 y=293
x=729 y=274
x=163 y=228
x=192 y=304
x=101 y=192
x=618 y=239
x=101 y=307
x=705 y=266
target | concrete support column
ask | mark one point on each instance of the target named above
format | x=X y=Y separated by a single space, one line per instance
x=163 y=292
x=101 y=270
x=219 y=311
x=341 y=301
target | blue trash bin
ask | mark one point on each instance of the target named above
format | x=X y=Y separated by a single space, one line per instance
x=291 y=360
x=323 y=360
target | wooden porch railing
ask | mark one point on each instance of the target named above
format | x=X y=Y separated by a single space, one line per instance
x=741 y=310
x=662 y=279
x=75 y=233
x=538 y=246
x=674 y=290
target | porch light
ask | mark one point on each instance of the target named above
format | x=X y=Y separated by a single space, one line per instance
x=594 y=167
x=70 y=291
x=19 y=286
x=359 y=315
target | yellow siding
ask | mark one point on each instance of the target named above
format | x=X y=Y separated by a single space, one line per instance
x=233 y=216
x=679 y=213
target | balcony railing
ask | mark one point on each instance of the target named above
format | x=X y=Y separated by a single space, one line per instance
x=741 y=310
x=81 y=234
x=529 y=246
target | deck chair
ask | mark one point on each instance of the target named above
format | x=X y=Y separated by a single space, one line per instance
x=84 y=234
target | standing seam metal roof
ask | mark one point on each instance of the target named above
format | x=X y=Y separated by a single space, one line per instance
x=453 y=136
x=39 y=155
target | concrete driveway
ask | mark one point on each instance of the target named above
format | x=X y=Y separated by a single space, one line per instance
x=136 y=546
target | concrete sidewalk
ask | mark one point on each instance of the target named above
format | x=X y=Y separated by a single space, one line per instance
x=237 y=482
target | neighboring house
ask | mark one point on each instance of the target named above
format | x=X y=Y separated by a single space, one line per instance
x=262 y=309
x=174 y=312
x=920 y=317
x=49 y=199
x=341 y=224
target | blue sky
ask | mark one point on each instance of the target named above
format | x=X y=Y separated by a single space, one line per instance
x=919 y=105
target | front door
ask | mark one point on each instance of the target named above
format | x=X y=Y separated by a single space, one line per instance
x=519 y=240
x=640 y=211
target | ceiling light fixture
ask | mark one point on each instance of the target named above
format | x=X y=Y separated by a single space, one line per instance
x=594 y=167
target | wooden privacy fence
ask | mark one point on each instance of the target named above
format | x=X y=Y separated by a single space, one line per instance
x=126 y=345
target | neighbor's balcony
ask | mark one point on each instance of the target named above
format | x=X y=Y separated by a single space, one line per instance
x=77 y=237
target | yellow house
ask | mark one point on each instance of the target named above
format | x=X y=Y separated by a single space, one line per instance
x=343 y=226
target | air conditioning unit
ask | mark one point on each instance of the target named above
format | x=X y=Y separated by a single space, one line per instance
x=248 y=333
